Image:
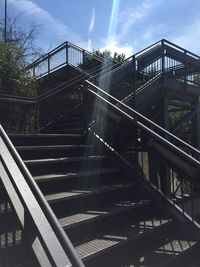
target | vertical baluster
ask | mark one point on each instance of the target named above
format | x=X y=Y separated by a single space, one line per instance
x=67 y=52
x=173 y=181
x=182 y=195
x=33 y=71
x=6 y=224
x=142 y=160
x=192 y=201
x=49 y=66
x=71 y=55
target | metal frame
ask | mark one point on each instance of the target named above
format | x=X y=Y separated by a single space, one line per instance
x=172 y=157
x=161 y=60
x=33 y=211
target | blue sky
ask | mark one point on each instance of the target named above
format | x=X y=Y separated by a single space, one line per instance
x=119 y=25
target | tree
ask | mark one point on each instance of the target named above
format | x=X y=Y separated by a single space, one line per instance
x=13 y=77
x=23 y=39
x=108 y=54
x=15 y=54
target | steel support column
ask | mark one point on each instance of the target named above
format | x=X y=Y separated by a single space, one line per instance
x=196 y=126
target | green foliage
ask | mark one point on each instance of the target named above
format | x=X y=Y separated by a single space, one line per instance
x=150 y=71
x=13 y=77
x=22 y=38
x=182 y=129
x=108 y=54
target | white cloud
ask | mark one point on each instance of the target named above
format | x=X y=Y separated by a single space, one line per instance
x=92 y=22
x=90 y=29
x=131 y=16
x=51 y=24
x=190 y=38
x=113 y=47
x=127 y=19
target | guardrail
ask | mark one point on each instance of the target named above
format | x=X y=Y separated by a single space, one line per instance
x=41 y=230
x=68 y=53
x=65 y=54
x=159 y=63
x=158 y=156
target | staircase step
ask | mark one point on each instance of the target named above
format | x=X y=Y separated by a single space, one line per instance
x=50 y=183
x=73 y=175
x=61 y=160
x=47 y=139
x=48 y=165
x=118 y=236
x=172 y=253
x=87 y=216
x=31 y=152
x=87 y=191
x=67 y=130
x=69 y=124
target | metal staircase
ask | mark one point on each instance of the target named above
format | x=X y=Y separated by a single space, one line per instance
x=110 y=217
x=153 y=77
x=99 y=183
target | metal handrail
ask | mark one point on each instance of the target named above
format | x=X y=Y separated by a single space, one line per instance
x=181 y=49
x=161 y=43
x=141 y=88
x=34 y=100
x=58 y=230
x=186 y=166
x=92 y=76
x=66 y=45
x=147 y=121
x=148 y=48
x=66 y=113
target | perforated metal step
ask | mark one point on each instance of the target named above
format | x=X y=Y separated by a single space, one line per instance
x=99 y=213
x=86 y=192
x=117 y=237
x=75 y=174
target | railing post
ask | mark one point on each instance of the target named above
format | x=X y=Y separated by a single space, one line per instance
x=84 y=104
x=185 y=70
x=33 y=71
x=49 y=64
x=163 y=57
x=67 y=52
x=83 y=56
x=134 y=81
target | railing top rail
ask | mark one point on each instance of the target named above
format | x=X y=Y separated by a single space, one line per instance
x=62 y=239
x=146 y=49
x=99 y=58
x=149 y=122
x=34 y=100
x=60 y=48
x=46 y=55
x=181 y=49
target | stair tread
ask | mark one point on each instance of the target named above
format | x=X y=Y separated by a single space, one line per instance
x=85 y=191
x=56 y=176
x=114 y=208
x=127 y=233
x=60 y=160
x=169 y=251
x=48 y=147
x=49 y=135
